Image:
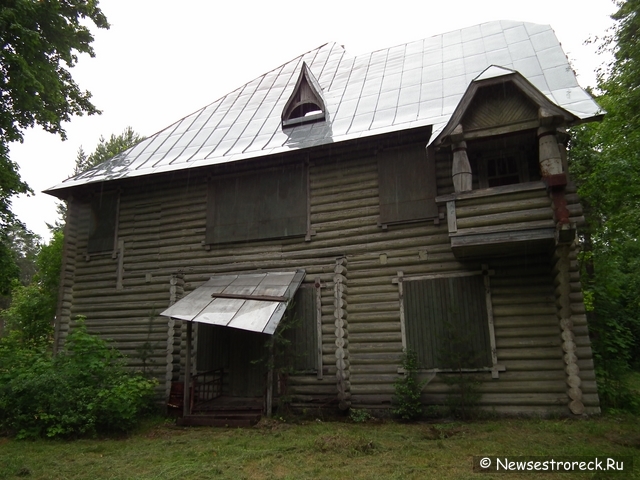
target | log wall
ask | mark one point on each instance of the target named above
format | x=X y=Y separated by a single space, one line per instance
x=161 y=256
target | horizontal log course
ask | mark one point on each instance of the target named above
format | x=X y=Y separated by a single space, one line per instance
x=494 y=195
x=356 y=328
x=376 y=389
x=528 y=342
x=523 y=298
x=527 y=204
x=376 y=358
x=382 y=347
x=359 y=338
x=557 y=387
x=373 y=379
x=526 y=321
x=385 y=368
x=372 y=401
x=505 y=354
x=520 y=310
x=515 y=365
x=520 y=217
x=523 y=332
x=374 y=317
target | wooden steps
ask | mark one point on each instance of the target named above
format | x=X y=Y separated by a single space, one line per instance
x=242 y=419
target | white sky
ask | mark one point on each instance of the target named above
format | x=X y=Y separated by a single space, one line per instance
x=164 y=59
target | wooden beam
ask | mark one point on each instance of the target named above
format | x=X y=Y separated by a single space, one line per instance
x=263 y=298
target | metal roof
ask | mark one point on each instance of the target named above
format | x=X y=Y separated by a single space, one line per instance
x=406 y=86
x=253 y=301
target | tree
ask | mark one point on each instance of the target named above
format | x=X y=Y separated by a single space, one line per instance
x=605 y=161
x=39 y=42
x=106 y=149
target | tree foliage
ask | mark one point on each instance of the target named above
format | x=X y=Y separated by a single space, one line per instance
x=106 y=149
x=39 y=42
x=605 y=161
x=33 y=306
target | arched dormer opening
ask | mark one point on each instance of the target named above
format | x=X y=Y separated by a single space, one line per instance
x=306 y=104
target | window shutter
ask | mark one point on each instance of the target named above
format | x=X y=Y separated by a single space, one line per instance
x=304 y=335
x=446 y=322
x=267 y=204
x=102 y=223
x=407 y=185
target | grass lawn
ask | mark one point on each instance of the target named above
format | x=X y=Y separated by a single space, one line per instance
x=322 y=449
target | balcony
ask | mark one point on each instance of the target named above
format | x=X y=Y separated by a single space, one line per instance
x=505 y=220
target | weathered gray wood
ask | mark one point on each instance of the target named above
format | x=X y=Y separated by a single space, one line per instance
x=186 y=410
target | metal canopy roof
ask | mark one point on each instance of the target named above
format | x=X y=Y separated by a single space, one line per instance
x=412 y=85
x=254 y=301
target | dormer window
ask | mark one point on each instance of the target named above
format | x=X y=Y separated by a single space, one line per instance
x=306 y=104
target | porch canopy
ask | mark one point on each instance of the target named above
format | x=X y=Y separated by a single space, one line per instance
x=251 y=301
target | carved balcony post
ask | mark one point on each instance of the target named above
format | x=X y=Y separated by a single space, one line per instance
x=461 y=169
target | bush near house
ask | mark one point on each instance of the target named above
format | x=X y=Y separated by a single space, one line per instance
x=85 y=390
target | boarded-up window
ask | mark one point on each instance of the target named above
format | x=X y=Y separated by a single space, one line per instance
x=303 y=336
x=102 y=222
x=407 y=185
x=265 y=204
x=446 y=322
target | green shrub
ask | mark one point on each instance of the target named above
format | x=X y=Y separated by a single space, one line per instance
x=408 y=405
x=84 y=390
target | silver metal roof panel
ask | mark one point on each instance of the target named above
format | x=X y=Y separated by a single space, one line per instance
x=416 y=84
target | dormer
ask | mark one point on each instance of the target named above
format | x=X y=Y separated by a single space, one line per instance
x=504 y=131
x=306 y=104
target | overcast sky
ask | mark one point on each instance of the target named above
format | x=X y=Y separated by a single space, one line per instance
x=162 y=60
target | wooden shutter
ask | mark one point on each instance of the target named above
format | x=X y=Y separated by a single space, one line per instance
x=265 y=204
x=446 y=313
x=304 y=335
x=102 y=223
x=407 y=185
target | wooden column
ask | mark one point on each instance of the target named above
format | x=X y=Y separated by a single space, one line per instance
x=549 y=153
x=461 y=169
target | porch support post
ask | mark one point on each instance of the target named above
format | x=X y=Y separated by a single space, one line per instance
x=186 y=410
x=270 y=382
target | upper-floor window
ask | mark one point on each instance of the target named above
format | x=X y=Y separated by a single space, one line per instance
x=504 y=160
x=102 y=222
x=258 y=205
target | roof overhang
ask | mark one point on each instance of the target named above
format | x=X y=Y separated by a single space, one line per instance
x=255 y=302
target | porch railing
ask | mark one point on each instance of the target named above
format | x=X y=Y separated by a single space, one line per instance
x=205 y=387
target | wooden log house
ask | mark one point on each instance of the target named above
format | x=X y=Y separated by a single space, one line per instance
x=399 y=197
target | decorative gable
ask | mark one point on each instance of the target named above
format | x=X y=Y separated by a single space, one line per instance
x=306 y=104
x=497 y=105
